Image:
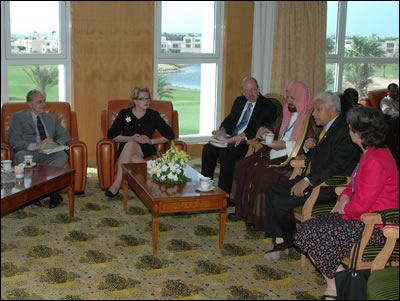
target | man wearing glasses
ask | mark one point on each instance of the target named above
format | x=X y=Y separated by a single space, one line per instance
x=249 y=112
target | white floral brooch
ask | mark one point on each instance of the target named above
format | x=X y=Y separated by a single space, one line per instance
x=128 y=119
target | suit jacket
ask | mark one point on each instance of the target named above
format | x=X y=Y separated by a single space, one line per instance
x=334 y=155
x=22 y=130
x=264 y=114
x=376 y=184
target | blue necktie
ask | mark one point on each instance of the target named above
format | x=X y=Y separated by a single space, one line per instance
x=244 y=121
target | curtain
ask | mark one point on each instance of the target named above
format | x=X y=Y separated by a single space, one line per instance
x=299 y=45
x=263 y=38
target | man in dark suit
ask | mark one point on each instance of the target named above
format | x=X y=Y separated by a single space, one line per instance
x=334 y=154
x=32 y=130
x=249 y=112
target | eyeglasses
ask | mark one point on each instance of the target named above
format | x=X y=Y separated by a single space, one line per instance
x=246 y=91
x=144 y=98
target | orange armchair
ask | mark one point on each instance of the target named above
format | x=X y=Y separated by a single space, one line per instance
x=77 y=152
x=107 y=150
x=374 y=98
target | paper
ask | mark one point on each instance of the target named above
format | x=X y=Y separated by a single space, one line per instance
x=53 y=149
x=223 y=141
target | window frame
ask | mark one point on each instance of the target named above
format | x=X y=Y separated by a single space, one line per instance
x=192 y=58
x=61 y=58
x=339 y=59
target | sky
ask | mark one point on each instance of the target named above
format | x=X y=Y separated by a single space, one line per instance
x=185 y=16
x=182 y=16
x=42 y=12
x=367 y=17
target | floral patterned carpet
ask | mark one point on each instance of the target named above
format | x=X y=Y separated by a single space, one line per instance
x=105 y=253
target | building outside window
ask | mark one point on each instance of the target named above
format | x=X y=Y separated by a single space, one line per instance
x=188 y=63
x=362 y=45
x=35 y=50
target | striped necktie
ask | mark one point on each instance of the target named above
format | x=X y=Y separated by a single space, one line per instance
x=244 y=120
x=40 y=127
x=323 y=132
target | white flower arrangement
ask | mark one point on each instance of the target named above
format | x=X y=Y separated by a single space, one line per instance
x=128 y=119
x=170 y=168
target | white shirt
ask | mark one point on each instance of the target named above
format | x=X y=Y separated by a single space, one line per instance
x=289 y=144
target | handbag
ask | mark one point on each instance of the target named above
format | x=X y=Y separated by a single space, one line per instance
x=351 y=284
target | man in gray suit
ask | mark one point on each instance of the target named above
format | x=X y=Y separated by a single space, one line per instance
x=34 y=129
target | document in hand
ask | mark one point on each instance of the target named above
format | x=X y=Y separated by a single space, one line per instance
x=53 y=149
x=223 y=141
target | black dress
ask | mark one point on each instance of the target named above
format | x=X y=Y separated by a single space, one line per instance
x=126 y=124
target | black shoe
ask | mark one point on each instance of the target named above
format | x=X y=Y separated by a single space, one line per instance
x=251 y=227
x=55 y=200
x=230 y=204
x=110 y=194
x=233 y=218
x=37 y=203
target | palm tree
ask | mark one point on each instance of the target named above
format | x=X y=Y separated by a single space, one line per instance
x=360 y=74
x=330 y=45
x=43 y=77
x=164 y=88
x=330 y=77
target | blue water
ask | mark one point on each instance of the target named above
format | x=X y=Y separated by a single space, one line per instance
x=189 y=77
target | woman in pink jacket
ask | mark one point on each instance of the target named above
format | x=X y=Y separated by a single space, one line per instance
x=374 y=186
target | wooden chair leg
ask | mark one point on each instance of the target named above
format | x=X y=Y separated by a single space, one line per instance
x=303 y=259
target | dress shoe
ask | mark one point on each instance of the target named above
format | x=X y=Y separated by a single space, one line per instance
x=251 y=227
x=55 y=200
x=110 y=194
x=278 y=250
x=230 y=204
x=233 y=218
x=281 y=246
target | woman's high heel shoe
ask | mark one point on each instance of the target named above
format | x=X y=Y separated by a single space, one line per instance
x=110 y=194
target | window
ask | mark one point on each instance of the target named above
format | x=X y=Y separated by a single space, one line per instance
x=35 y=50
x=362 y=45
x=188 y=63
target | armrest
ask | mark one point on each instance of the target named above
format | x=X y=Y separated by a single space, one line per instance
x=180 y=145
x=77 y=156
x=309 y=204
x=254 y=146
x=105 y=156
x=392 y=235
x=5 y=151
x=298 y=165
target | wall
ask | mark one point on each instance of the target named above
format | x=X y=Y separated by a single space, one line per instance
x=113 y=51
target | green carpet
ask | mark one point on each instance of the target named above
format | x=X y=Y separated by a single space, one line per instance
x=105 y=253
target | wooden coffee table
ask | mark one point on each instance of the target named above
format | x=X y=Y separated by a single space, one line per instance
x=38 y=181
x=168 y=198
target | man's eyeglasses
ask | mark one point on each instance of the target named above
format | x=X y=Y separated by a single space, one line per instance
x=144 y=98
x=246 y=91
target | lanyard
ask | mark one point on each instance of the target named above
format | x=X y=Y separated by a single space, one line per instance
x=354 y=177
x=288 y=129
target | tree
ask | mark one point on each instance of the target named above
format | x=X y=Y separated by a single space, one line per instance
x=164 y=87
x=43 y=77
x=330 y=45
x=360 y=74
x=330 y=78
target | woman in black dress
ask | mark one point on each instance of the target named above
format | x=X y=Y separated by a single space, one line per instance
x=133 y=129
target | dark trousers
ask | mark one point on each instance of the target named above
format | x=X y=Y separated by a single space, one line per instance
x=280 y=221
x=227 y=158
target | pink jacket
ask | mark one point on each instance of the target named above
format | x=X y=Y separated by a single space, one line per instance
x=376 y=184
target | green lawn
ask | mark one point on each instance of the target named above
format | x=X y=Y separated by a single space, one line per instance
x=19 y=84
x=187 y=103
